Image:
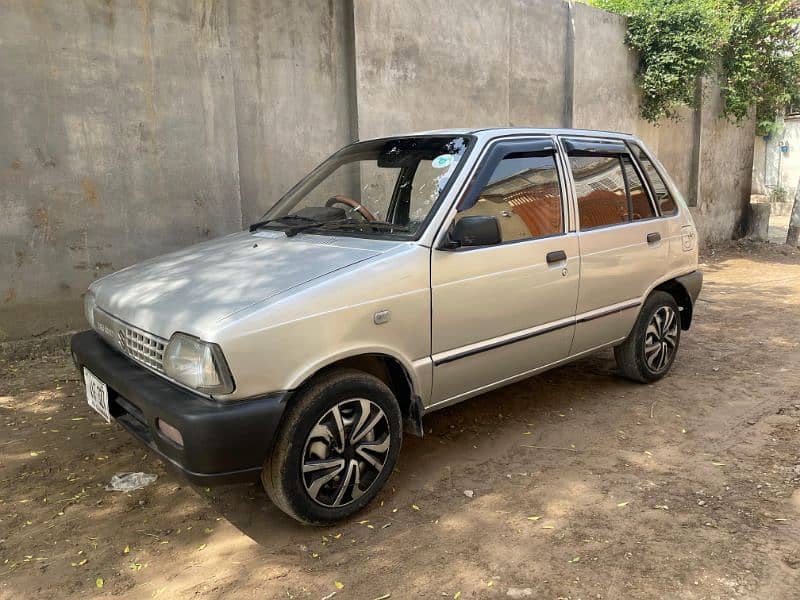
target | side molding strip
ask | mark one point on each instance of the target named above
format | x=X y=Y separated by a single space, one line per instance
x=606 y=311
x=526 y=334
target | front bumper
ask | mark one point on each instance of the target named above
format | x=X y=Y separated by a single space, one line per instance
x=222 y=442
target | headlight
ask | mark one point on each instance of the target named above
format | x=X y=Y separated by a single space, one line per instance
x=197 y=364
x=89 y=302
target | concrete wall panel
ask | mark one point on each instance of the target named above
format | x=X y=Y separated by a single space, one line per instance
x=118 y=143
x=422 y=64
x=537 y=62
x=293 y=100
x=426 y=65
x=726 y=170
x=674 y=149
x=605 y=95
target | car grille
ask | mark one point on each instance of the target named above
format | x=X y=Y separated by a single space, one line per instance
x=143 y=347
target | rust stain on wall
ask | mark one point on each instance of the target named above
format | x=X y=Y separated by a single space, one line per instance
x=9 y=296
x=89 y=191
x=41 y=224
x=40 y=218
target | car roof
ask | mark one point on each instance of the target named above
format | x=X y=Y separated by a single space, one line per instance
x=493 y=132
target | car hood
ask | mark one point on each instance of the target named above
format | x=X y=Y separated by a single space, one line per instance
x=193 y=289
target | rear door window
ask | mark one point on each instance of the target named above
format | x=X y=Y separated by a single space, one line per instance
x=600 y=190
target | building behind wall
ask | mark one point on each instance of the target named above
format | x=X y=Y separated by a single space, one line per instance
x=776 y=160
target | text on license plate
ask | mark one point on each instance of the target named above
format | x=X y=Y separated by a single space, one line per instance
x=96 y=394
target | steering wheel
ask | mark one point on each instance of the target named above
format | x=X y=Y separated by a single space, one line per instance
x=346 y=200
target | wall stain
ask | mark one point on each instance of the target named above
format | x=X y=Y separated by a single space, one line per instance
x=16 y=165
x=89 y=191
x=9 y=296
x=40 y=218
x=20 y=257
x=209 y=21
x=149 y=87
x=44 y=160
x=42 y=227
x=110 y=15
x=102 y=12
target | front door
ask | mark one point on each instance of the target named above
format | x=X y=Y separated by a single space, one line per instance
x=500 y=312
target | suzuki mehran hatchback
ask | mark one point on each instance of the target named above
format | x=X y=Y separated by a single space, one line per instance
x=402 y=275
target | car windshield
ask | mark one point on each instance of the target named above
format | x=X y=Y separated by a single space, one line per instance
x=378 y=188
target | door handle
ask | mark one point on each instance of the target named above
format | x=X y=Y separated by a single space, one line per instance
x=654 y=237
x=556 y=256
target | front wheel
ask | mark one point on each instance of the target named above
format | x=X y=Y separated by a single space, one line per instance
x=649 y=350
x=336 y=448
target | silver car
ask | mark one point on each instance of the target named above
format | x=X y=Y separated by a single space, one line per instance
x=402 y=275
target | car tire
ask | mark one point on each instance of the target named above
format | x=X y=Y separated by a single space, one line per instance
x=648 y=352
x=336 y=447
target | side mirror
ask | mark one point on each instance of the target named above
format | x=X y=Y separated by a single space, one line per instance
x=481 y=230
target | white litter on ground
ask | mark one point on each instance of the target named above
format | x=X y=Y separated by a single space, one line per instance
x=128 y=482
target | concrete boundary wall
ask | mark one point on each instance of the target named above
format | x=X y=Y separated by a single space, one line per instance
x=132 y=128
x=540 y=63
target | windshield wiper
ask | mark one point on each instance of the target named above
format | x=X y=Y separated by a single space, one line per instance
x=260 y=224
x=312 y=224
x=348 y=223
x=308 y=223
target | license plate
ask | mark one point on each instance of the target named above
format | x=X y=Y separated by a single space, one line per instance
x=96 y=394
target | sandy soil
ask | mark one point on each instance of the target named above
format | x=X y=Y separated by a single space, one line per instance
x=584 y=485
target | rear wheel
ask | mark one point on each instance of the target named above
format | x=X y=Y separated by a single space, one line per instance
x=649 y=351
x=336 y=448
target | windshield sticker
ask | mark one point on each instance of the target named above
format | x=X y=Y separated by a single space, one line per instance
x=442 y=161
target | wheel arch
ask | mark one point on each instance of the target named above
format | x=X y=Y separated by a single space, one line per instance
x=682 y=297
x=398 y=377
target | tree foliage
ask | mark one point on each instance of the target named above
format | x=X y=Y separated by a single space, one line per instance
x=761 y=62
x=751 y=46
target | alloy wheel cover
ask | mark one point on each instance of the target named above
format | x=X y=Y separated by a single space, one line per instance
x=661 y=338
x=345 y=452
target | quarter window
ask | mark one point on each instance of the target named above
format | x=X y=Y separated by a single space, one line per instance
x=640 y=201
x=523 y=193
x=664 y=200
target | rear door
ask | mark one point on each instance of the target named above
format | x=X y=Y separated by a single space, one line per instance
x=502 y=311
x=622 y=241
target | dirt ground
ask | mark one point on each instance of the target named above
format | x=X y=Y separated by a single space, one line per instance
x=583 y=485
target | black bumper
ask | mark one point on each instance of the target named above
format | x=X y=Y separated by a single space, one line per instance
x=222 y=442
